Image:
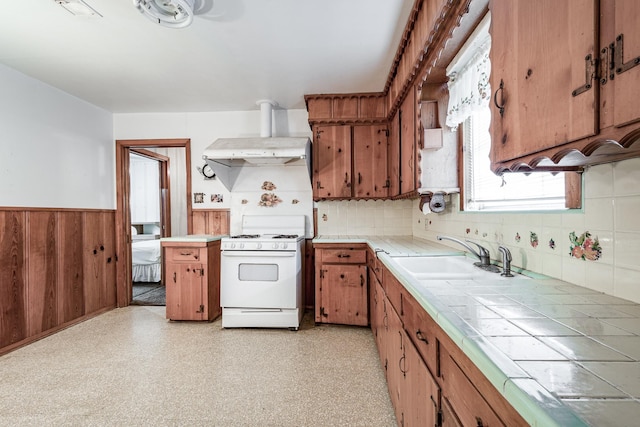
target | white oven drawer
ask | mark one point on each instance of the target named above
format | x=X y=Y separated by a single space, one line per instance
x=260 y=279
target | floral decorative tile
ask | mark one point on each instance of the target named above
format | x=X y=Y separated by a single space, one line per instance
x=517 y=238
x=584 y=246
x=552 y=244
x=268 y=185
x=269 y=200
x=533 y=239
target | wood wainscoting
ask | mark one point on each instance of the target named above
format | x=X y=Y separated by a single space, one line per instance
x=57 y=268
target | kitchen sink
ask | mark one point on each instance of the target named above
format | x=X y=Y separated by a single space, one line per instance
x=444 y=268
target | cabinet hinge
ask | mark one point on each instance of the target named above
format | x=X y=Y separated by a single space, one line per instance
x=439 y=418
x=323 y=313
x=201 y=309
x=620 y=66
x=202 y=272
x=591 y=71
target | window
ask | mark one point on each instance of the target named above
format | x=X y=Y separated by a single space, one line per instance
x=470 y=113
x=484 y=191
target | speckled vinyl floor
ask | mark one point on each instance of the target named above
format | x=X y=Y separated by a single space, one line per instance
x=131 y=367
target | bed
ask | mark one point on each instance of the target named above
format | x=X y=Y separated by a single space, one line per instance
x=146 y=259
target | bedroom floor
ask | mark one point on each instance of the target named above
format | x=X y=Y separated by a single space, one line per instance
x=130 y=366
x=153 y=293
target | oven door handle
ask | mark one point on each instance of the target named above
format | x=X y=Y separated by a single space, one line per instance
x=262 y=254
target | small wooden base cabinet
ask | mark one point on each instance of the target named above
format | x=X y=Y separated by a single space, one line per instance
x=341 y=284
x=192 y=277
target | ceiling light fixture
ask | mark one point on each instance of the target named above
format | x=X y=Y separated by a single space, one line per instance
x=168 y=13
x=78 y=8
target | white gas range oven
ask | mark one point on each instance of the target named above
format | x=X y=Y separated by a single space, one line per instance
x=261 y=273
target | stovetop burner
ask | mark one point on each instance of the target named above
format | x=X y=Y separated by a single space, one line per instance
x=286 y=236
x=245 y=236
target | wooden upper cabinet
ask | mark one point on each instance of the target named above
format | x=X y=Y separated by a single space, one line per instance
x=332 y=162
x=345 y=108
x=371 y=178
x=622 y=31
x=538 y=52
x=565 y=76
x=408 y=144
x=394 y=155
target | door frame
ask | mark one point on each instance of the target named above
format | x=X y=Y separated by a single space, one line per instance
x=123 y=212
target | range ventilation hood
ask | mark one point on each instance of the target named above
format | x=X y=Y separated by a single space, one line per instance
x=228 y=156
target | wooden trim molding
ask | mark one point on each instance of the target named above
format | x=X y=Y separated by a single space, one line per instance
x=123 y=214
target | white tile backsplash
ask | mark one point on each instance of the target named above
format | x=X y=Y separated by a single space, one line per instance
x=365 y=217
x=611 y=212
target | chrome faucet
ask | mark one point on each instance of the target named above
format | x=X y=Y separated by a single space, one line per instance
x=483 y=255
x=506 y=261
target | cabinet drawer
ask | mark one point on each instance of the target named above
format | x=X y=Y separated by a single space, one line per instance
x=344 y=256
x=374 y=265
x=466 y=401
x=185 y=254
x=422 y=330
x=395 y=291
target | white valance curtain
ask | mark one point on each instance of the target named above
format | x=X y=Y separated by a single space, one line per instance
x=469 y=89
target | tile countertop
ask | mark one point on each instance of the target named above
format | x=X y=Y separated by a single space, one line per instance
x=561 y=354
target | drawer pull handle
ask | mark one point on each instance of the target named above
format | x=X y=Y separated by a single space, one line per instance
x=186 y=253
x=344 y=256
x=402 y=366
x=495 y=98
x=421 y=337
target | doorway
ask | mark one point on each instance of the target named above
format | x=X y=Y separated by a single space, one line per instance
x=123 y=212
x=150 y=211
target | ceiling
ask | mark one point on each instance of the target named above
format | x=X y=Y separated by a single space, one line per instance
x=235 y=53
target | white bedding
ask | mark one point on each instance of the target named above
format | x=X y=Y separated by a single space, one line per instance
x=146 y=260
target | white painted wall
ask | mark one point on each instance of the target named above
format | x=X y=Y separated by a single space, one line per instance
x=203 y=129
x=55 y=150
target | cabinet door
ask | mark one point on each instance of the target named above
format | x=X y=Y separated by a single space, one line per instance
x=448 y=416
x=408 y=144
x=332 y=172
x=344 y=294
x=394 y=155
x=185 y=291
x=468 y=403
x=626 y=107
x=370 y=161
x=538 y=51
x=419 y=392
x=395 y=359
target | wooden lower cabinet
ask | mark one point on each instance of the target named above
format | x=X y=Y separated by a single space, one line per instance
x=192 y=279
x=431 y=381
x=414 y=392
x=341 y=285
x=466 y=401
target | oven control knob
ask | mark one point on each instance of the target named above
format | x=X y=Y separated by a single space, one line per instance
x=241 y=245
x=275 y=246
x=233 y=245
x=284 y=246
x=258 y=245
